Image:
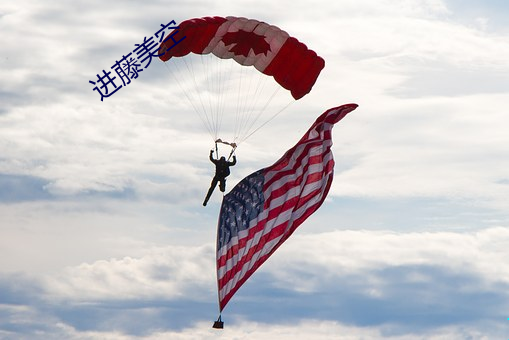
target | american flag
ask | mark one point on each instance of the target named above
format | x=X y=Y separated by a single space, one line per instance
x=266 y=207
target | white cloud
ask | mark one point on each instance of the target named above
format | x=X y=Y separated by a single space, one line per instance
x=307 y=329
x=317 y=329
x=445 y=147
x=438 y=274
x=339 y=253
x=44 y=237
x=308 y=263
x=162 y=273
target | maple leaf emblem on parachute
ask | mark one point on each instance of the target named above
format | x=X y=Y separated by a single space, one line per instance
x=245 y=42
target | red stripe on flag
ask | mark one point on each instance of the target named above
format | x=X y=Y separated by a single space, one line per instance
x=311 y=160
x=297 y=182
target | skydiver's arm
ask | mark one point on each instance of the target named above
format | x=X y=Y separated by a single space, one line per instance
x=234 y=161
x=210 y=156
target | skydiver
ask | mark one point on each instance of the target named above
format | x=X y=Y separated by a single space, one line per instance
x=222 y=171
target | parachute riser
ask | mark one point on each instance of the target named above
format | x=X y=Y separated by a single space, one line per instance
x=231 y=153
x=233 y=145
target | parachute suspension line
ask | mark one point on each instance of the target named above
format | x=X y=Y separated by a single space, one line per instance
x=251 y=118
x=249 y=101
x=208 y=82
x=236 y=129
x=268 y=121
x=227 y=88
x=248 y=133
x=240 y=104
x=251 y=96
x=213 y=90
x=191 y=71
x=245 y=110
x=213 y=85
x=195 y=108
x=260 y=112
x=234 y=146
x=224 y=69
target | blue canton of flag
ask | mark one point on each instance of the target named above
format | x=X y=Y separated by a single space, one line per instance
x=240 y=206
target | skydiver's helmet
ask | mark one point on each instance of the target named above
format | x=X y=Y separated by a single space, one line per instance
x=222 y=159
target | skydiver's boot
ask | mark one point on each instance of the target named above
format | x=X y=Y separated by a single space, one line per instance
x=209 y=193
x=207 y=198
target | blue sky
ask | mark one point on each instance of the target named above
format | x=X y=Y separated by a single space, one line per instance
x=102 y=232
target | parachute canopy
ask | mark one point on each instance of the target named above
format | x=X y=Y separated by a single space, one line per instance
x=237 y=73
x=250 y=43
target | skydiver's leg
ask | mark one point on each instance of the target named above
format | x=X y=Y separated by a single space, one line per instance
x=222 y=184
x=211 y=189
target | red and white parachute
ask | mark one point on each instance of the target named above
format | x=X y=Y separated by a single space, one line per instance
x=238 y=99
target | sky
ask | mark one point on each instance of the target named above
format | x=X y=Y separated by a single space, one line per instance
x=102 y=231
